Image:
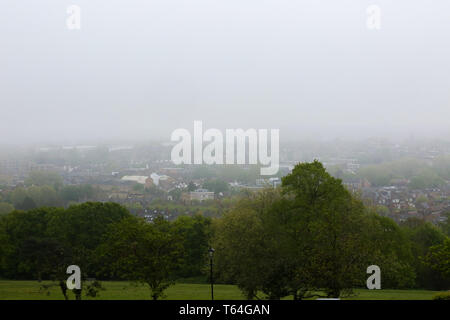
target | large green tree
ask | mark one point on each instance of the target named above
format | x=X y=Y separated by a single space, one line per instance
x=422 y=236
x=144 y=252
x=5 y=208
x=42 y=178
x=241 y=248
x=82 y=229
x=331 y=223
x=304 y=239
x=42 y=243
x=195 y=234
x=28 y=249
x=391 y=250
x=438 y=259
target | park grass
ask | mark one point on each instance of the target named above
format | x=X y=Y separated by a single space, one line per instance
x=117 y=290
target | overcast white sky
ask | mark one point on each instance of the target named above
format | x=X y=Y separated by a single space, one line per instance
x=140 y=69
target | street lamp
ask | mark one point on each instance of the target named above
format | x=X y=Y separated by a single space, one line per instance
x=211 y=254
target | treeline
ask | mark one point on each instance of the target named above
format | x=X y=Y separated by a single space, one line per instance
x=206 y=208
x=245 y=174
x=105 y=241
x=45 y=189
x=309 y=238
x=421 y=174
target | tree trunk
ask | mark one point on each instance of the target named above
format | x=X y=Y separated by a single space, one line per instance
x=63 y=287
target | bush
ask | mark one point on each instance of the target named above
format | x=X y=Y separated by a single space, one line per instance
x=442 y=296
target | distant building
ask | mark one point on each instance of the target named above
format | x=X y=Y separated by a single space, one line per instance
x=136 y=179
x=162 y=181
x=272 y=182
x=199 y=195
x=275 y=182
x=172 y=171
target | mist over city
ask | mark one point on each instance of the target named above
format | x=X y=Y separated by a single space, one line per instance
x=311 y=69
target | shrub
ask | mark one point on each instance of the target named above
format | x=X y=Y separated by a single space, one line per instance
x=442 y=296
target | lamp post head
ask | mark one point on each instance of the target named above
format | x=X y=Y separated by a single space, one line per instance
x=211 y=253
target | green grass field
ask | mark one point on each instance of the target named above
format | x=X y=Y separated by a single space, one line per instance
x=115 y=290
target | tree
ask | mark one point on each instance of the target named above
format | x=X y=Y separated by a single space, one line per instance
x=17 y=197
x=438 y=259
x=137 y=187
x=75 y=193
x=42 y=243
x=331 y=222
x=191 y=186
x=41 y=178
x=303 y=240
x=195 y=234
x=390 y=249
x=28 y=249
x=143 y=252
x=27 y=204
x=382 y=210
x=216 y=185
x=422 y=236
x=34 y=196
x=43 y=196
x=240 y=250
x=82 y=229
x=427 y=178
x=5 y=208
x=377 y=175
x=445 y=226
x=175 y=194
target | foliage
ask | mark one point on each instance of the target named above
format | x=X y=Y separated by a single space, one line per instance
x=422 y=236
x=27 y=204
x=75 y=193
x=420 y=174
x=426 y=178
x=240 y=249
x=294 y=242
x=330 y=224
x=445 y=226
x=41 y=243
x=191 y=186
x=28 y=250
x=41 y=178
x=442 y=296
x=216 y=185
x=438 y=259
x=48 y=196
x=137 y=187
x=5 y=208
x=143 y=252
x=391 y=250
x=195 y=233
x=93 y=289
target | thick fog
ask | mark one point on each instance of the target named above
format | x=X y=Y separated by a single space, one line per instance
x=141 y=69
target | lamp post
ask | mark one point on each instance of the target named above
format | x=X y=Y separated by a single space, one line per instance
x=211 y=254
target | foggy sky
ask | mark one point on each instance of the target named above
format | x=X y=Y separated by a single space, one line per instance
x=141 y=69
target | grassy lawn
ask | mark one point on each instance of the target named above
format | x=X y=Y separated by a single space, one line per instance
x=115 y=290
x=365 y=294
